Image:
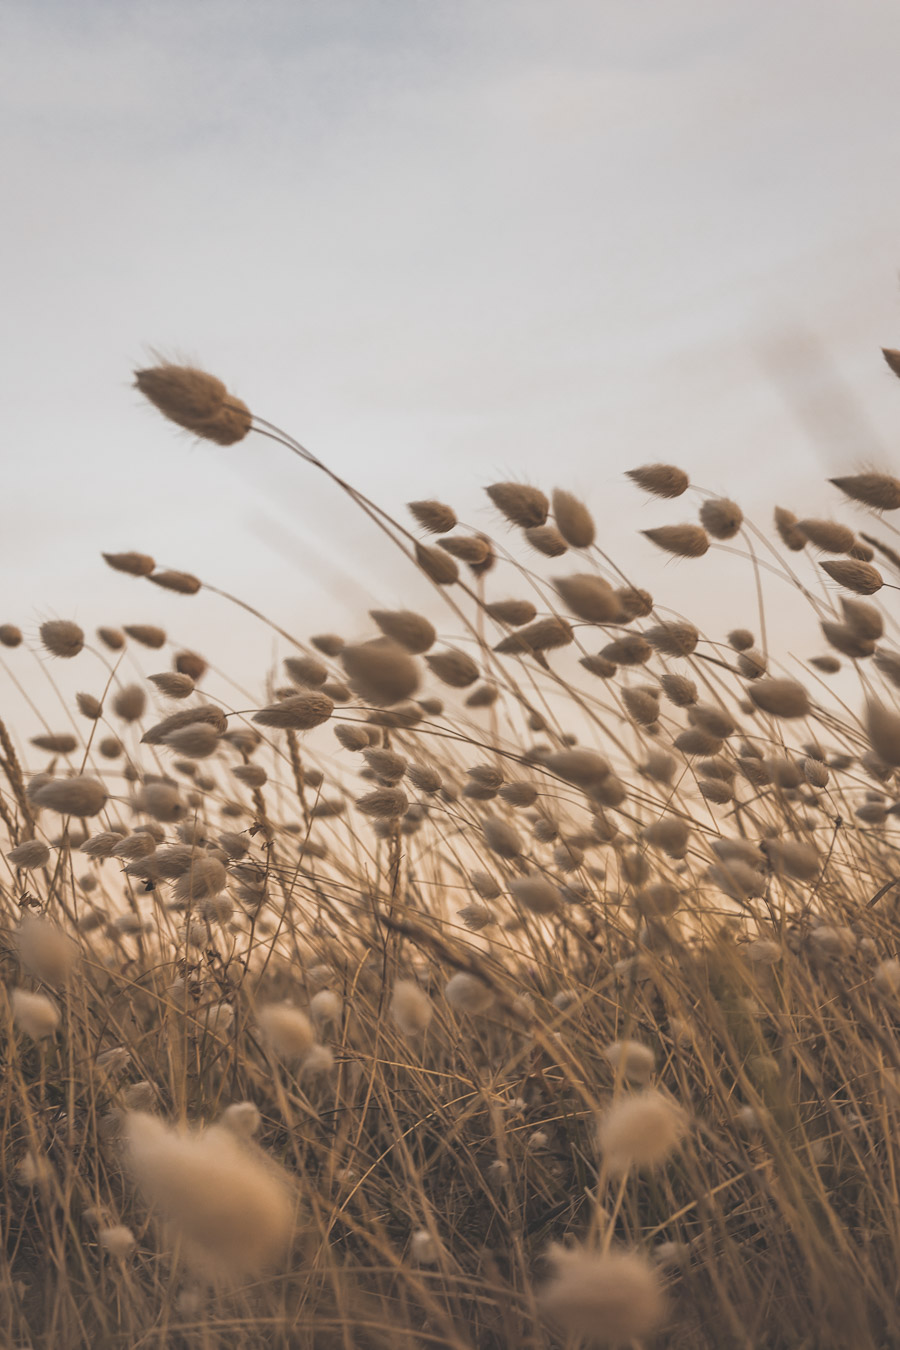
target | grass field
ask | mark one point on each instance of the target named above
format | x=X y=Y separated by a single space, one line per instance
x=523 y=975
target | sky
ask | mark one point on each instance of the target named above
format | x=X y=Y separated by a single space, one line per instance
x=441 y=243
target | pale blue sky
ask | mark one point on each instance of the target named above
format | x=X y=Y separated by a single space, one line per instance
x=442 y=243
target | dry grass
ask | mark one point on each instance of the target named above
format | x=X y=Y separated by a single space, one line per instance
x=541 y=999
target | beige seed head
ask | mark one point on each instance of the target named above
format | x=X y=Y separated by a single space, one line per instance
x=61 y=637
x=631 y=649
x=514 y=612
x=605 y=1299
x=589 y=598
x=129 y=703
x=89 y=706
x=286 y=1030
x=721 y=518
x=780 y=698
x=659 y=900
x=741 y=639
x=230 y=1208
x=879 y=490
x=866 y=621
x=298 y=712
x=147 y=634
x=306 y=671
x=857 y=576
x=684 y=541
x=640 y=1130
x=468 y=994
x=536 y=894
x=673 y=639
x=425 y=778
x=118 y=1240
x=670 y=834
x=45 y=951
x=60 y=744
x=433 y=516
x=30 y=854
x=573 y=520
x=134 y=564
x=522 y=505
x=631 y=1061
x=437 y=564
x=202 y=712
x=636 y=603
x=501 y=838
x=791 y=535
x=198 y=740
x=585 y=769
x=598 y=665
x=472 y=549
x=190 y=663
x=847 y=641
x=789 y=857
x=828 y=535
x=380 y=671
x=385 y=803
x=182 y=583
x=413 y=631
x=411 y=1008
x=662 y=480
x=679 y=690
x=78 y=796
x=34 y=1014
x=641 y=705
x=173 y=685
x=196 y=401
x=883 y=728
x=547 y=540
x=543 y=635
x=111 y=638
x=453 y=667
x=10 y=635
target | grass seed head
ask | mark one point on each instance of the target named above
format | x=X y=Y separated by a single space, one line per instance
x=298 y=712
x=661 y=480
x=721 y=518
x=881 y=491
x=10 y=635
x=522 y=505
x=411 y=1008
x=79 y=796
x=573 y=519
x=433 y=516
x=605 y=1299
x=34 y=1014
x=62 y=638
x=684 y=541
x=640 y=1130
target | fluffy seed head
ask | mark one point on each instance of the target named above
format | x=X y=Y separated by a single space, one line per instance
x=380 y=671
x=412 y=631
x=721 y=518
x=585 y=769
x=10 y=635
x=673 y=639
x=589 y=597
x=196 y=401
x=61 y=637
x=640 y=1130
x=791 y=535
x=118 y=1240
x=45 y=950
x=536 y=894
x=828 y=535
x=129 y=703
x=197 y=740
x=147 y=634
x=611 y=1299
x=467 y=994
x=385 y=803
x=879 y=490
x=514 y=612
x=501 y=838
x=453 y=667
x=685 y=541
x=299 y=712
x=286 y=1030
x=32 y=853
x=111 y=638
x=662 y=480
x=631 y=1061
x=883 y=727
x=521 y=505
x=135 y=564
x=433 y=516
x=546 y=539
x=242 y=1119
x=230 y=1208
x=437 y=564
x=205 y=878
x=62 y=744
x=781 y=698
x=34 y=1014
x=679 y=690
x=78 y=796
x=542 y=636
x=573 y=520
x=411 y=1008
x=173 y=685
x=860 y=577
x=89 y=706
x=182 y=583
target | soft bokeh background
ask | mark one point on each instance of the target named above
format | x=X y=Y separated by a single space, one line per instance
x=442 y=243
